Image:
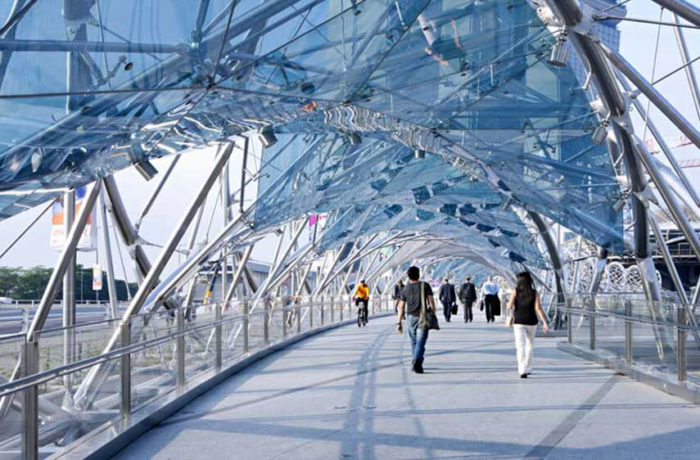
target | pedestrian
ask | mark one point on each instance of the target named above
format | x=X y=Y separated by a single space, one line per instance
x=397 y=295
x=416 y=296
x=525 y=307
x=467 y=295
x=491 y=302
x=447 y=298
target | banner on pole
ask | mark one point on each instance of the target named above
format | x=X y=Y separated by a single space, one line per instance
x=96 y=278
x=88 y=239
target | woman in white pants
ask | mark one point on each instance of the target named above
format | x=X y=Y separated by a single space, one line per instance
x=525 y=308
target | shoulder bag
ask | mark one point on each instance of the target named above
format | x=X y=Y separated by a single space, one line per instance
x=427 y=319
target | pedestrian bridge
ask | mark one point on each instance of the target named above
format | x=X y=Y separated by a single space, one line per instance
x=349 y=393
x=301 y=146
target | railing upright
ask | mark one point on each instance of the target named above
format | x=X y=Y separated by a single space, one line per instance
x=125 y=373
x=217 y=336
x=180 y=348
x=297 y=309
x=30 y=406
x=323 y=304
x=680 y=348
x=266 y=322
x=285 y=318
x=628 y=332
x=311 y=312
x=246 y=323
x=591 y=324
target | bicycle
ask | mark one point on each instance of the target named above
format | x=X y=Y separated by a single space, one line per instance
x=361 y=313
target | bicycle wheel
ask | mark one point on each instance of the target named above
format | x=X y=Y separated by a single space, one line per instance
x=359 y=317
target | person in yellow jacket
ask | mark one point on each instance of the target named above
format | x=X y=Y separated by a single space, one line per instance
x=361 y=296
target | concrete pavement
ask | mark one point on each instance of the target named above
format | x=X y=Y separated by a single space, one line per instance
x=349 y=393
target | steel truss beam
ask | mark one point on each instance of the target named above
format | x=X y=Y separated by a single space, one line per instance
x=84 y=394
x=570 y=15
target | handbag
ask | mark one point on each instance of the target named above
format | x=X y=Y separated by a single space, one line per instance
x=454 y=308
x=481 y=304
x=427 y=319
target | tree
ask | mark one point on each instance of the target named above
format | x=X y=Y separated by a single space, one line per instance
x=31 y=283
x=9 y=276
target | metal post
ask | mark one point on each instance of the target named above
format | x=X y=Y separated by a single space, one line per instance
x=689 y=72
x=266 y=322
x=151 y=278
x=628 y=332
x=69 y=290
x=311 y=312
x=680 y=346
x=298 y=312
x=180 y=348
x=653 y=95
x=342 y=307
x=109 y=266
x=332 y=304
x=125 y=372
x=323 y=305
x=591 y=324
x=246 y=323
x=683 y=9
x=30 y=406
x=285 y=315
x=217 y=335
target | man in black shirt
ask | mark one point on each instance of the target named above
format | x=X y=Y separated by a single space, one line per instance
x=467 y=294
x=411 y=304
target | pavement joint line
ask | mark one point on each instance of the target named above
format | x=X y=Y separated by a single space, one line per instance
x=550 y=442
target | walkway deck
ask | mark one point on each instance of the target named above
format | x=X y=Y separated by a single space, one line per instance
x=349 y=394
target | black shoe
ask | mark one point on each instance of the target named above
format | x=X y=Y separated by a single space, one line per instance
x=523 y=376
x=418 y=366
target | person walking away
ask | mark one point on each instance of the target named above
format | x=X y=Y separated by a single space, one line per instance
x=489 y=294
x=412 y=297
x=447 y=298
x=467 y=295
x=525 y=308
x=361 y=296
x=397 y=295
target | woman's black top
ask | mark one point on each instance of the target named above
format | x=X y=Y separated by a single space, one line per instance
x=525 y=313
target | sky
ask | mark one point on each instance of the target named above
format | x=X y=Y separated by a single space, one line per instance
x=638 y=45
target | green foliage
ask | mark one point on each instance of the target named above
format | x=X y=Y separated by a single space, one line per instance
x=8 y=280
x=28 y=284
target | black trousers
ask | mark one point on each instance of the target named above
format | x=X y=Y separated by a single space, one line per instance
x=468 y=316
x=489 y=307
x=447 y=310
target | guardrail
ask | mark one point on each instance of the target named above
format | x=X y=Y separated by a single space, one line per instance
x=156 y=354
x=650 y=335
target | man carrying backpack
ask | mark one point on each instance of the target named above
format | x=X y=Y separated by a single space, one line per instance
x=467 y=295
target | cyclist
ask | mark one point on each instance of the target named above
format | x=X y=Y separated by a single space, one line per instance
x=361 y=296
